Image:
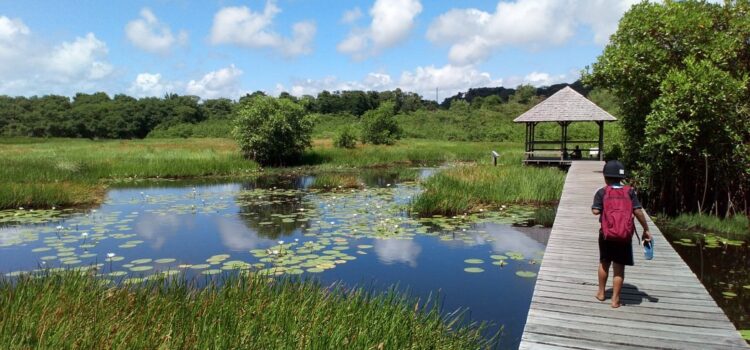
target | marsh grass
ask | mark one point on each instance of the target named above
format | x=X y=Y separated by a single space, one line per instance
x=469 y=188
x=73 y=310
x=736 y=225
x=72 y=172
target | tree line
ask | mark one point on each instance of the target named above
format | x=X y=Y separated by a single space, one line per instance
x=121 y=116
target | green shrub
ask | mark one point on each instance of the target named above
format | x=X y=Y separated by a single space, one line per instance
x=614 y=152
x=272 y=131
x=346 y=138
x=379 y=126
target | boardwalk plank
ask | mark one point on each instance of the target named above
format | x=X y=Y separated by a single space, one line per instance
x=665 y=305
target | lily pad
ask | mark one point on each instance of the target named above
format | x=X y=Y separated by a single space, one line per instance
x=474 y=269
x=526 y=274
x=498 y=257
x=728 y=294
x=141 y=261
x=314 y=270
x=474 y=261
x=165 y=261
x=211 y=272
x=141 y=268
x=117 y=273
x=200 y=266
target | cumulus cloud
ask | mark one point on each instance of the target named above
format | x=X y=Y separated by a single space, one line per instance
x=243 y=27
x=31 y=66
x=351 y=16
x=392 y=20
x=220 y=83
x=422 y=80
x=147 y=84
x=149 y=34
x=473 y=34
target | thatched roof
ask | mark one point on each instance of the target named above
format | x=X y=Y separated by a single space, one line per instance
x=566 y=105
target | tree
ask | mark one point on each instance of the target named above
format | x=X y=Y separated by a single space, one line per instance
x=272 y=131
x=379 y=125
x=680 y=71
x=346 y=138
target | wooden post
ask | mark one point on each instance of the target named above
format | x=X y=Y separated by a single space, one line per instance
x=601 y=140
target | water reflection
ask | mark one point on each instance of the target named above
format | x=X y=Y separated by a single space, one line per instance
x=397 y=251
x=235 y=235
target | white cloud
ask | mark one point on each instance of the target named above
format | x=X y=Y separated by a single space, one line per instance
x=149 y=34
x=220 y=83
x=244 y=27
x=31 y=66
x=146 y=84
x=473 y=34
x=351 y=16
x=392 y=20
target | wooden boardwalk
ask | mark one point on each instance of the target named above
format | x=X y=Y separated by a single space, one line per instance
x=665 y=306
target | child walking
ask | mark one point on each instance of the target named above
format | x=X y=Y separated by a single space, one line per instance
x=616 y=204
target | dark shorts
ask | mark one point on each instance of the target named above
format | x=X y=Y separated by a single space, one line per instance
x=619 y=252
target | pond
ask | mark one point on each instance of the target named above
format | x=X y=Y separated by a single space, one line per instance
x=486 y=262
x=723 y=266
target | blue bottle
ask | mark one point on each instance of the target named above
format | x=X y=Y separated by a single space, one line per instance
x=648 y=249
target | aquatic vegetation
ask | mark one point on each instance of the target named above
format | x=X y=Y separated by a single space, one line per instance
x=245 y=312
x=470 y=188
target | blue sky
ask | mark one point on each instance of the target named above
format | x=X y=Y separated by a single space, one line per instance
x=228 y=48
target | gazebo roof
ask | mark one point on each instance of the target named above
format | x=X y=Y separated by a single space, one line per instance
x=566 y=105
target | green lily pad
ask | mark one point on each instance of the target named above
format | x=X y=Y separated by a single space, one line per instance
x=71 y=262
x=133 y=280
x=364 y=246
x=498 y=257
x=211 y=272
x=526 y=274
x=314 y=270
x=200 y=266
x=141 y=261
x=500 y=263
x=141 y=268
x=117 y=273
x=165 y=261
x=474 y=269
x=40 y=249
x=474 y=261
x=729 y=294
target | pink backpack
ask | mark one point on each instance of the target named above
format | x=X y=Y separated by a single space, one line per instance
x=617 y=215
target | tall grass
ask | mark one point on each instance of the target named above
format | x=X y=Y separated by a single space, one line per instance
x=733 y=225
x=71 y=310
x=411 y=152
x=469 y=188
x=65 y=172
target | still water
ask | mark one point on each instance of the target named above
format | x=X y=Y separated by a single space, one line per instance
x=485 y=263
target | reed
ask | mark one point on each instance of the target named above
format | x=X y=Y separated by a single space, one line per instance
x=469 y=188
x=72 y=310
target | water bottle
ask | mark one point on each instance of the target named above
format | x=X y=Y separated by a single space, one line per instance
x=648 y=249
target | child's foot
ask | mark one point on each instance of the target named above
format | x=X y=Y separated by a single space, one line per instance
x=600 y=296
x=615 y=302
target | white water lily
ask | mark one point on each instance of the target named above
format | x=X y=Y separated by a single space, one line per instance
x=20 y=208
x=110 y=255
x=275 y=252
x=59 y=227
x=53 y=208
x=281 y=242
x=85 y=234
x=296 y=239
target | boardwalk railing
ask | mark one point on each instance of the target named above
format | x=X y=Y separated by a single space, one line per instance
x=664 y=305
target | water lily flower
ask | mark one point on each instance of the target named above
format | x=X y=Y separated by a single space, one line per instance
x=85 y=234
x=110 y=255
x=93 y=210
x=59 y=227
x=53 y=208
x=281 y=242
x=275 y=252
x=387 y=185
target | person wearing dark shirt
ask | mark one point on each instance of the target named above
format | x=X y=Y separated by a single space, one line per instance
x=617 y=254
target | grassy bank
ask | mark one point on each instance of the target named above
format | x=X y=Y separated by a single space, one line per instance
x=69 y=172
x=75 y=172
x=734 y=226
x=76 y=311
x=469 y=188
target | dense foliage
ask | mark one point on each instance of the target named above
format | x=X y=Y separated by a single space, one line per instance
x=379 y=126
x=346 y=138
x=272 y=131
x=681 y=71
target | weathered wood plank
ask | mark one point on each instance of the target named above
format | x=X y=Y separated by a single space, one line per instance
x=664 y=304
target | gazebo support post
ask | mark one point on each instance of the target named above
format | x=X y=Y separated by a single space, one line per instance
x=601 y=140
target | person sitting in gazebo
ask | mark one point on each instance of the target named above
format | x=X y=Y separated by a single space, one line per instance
x=577 y=153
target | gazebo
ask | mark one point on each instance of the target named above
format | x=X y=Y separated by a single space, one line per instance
x=564 y=107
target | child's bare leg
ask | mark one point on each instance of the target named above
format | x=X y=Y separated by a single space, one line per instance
x=619 y=270
x=603 y=275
